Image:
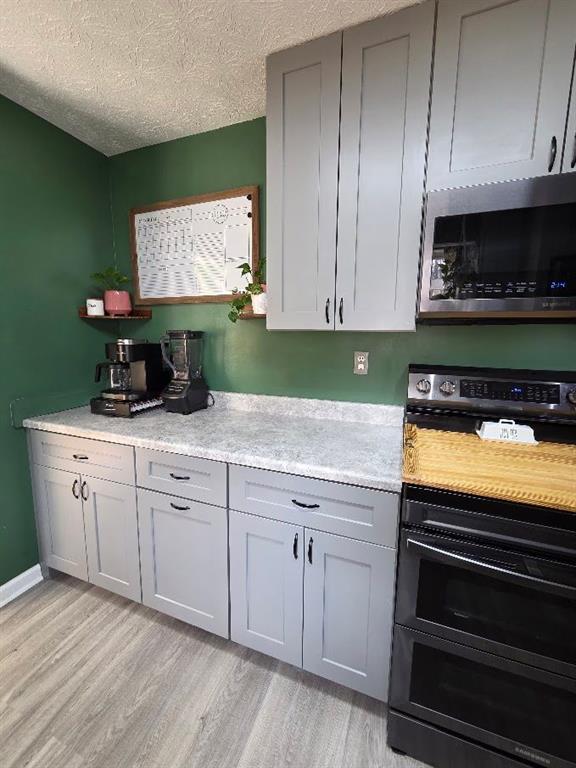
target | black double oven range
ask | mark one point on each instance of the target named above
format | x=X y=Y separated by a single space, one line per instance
x=484 y=652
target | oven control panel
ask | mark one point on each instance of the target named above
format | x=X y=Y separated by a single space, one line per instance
x=485 y=389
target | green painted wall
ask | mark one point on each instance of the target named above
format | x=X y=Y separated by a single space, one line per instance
x=55 y=230
x=245 y=357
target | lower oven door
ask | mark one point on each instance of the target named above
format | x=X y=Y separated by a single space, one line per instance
x=506 y=602
x=512 y=707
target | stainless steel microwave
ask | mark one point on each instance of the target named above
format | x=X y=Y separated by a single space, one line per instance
x=504 y=250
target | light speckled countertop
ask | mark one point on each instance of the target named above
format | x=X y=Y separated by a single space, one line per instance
x=345 y=442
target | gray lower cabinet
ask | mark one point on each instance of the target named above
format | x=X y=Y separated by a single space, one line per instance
x=184 y=559
x=60 y=520
x=111 y=525
x=266 y=569
x=502 y=73
x=348 y=609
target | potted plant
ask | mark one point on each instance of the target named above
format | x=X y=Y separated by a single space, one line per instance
x=116 y=299
x=254 y=293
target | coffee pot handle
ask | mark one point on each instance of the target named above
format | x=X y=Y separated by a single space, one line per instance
x=98 y=372
x=164 y=342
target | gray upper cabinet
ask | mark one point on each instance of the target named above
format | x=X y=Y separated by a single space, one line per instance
x=348 y=599
x=266 y=571
x=184 y=559
x=303 y=103
x=60 y=520
x=502 y=74
x=111 y=524
x=386 y=68
x=569 y=159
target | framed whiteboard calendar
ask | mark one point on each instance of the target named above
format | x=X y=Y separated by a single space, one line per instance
x=187 y=250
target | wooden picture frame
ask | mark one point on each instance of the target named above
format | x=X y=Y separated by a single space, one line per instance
x=249 y=191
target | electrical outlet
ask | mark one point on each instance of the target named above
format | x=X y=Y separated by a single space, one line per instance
x=361 y=363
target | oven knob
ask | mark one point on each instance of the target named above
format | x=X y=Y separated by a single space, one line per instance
x=447 y=388
x=571 y=397
x=423 y=386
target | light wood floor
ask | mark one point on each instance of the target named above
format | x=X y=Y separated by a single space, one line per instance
x=90 y=680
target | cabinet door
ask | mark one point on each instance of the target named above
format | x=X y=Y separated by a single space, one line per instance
x=111 y=523
x=266 y=568
x=348 y=603
x=569 y=159
x=386 y=68
x=184 y=558
x=501 y=84
x=302 y=125
x=60 y=520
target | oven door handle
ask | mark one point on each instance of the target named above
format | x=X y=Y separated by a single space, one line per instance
x=470 y=563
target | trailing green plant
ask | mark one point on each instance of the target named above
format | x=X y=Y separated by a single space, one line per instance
x=110 y=279
x=244 y=297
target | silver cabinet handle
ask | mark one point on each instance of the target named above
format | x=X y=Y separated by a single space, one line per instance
x=295 y=547
x=310 y=543
x=79 y=457
x=179 y=477
x=341 y=310
x=553 y=150
x=305 y=506
x=84 y=491
x=327 y=310
x=573 y=163
x=75 y=489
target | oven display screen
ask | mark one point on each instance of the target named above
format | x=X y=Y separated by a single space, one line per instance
x=524 y=392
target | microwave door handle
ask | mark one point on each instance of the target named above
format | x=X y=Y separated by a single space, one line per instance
x=480 y=566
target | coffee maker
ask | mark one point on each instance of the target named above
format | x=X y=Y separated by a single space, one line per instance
x=135 y=376
x=182 y=353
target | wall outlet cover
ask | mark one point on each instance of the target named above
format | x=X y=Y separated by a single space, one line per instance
x=361 y=363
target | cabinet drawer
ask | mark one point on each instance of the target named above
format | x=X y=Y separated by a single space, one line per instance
x=93 y=458
x=185 y=476
x=347 y=510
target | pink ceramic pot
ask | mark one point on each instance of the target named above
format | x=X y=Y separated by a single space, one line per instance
x=117 y=303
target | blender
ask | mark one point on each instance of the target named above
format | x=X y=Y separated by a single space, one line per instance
x=182 y=353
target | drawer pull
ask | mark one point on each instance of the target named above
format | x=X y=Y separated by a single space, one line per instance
x=179 y=477
x=180 y=509
x=295 y=547
x=84 y=488
x=79 y=457
x=305 y=506
x=310 y=543
x=553 y=151
x=75 y=489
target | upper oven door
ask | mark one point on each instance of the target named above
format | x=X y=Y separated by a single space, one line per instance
x=512 y=604
x=501 y=250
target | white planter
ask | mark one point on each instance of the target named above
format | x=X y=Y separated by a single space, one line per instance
x=259 y=303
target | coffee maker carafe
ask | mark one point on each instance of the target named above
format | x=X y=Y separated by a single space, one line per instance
x=182 y=353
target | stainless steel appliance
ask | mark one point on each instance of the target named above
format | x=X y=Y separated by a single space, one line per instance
x=182 y=353
x=135 y=376
x=484 y=652
x=500 y=251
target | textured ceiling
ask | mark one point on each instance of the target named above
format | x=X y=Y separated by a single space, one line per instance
x=122 y=74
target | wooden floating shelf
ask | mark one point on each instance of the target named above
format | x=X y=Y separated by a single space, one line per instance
x=250 y=316
x=137 y=314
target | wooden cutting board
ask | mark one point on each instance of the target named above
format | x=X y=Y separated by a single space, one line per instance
x=543 y=474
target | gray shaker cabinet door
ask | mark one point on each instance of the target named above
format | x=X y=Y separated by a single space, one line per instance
x=348 y=606
x=386 y=70
x=501 y=84
x=184 y=559
x=302 y=126
x=111 y=523
x=266 y=571
x=60 y=520
x=569 y=159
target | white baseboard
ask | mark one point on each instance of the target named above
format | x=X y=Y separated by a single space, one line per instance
x=20 y=584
